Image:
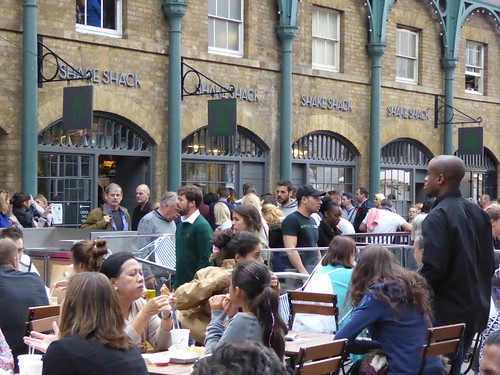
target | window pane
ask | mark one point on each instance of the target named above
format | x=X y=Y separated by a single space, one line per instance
x=220 y=34
x=315 y=27
x=235 y=11
x=211 y=36
x=410 y=66
x=412 y=45
x=232 y=37
x=223 y=8
x=322 y=24
x=212 y=7
x=330 y=53
x=332 y=26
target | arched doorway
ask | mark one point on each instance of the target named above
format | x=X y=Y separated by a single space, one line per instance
x=73 y=166
x=480 y=175
x=224 y=161
x=403 y=167
x=325 y=160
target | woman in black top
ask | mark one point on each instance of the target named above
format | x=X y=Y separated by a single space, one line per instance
x=331 y=217
x=92 y=339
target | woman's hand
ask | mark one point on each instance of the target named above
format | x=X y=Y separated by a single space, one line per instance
x=274 y=281
x=219 y=302
x=61 y=284
x=42 y=341
x=155 y=305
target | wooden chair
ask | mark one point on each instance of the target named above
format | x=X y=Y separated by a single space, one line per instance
x=442 y=340
x=312 y=303
x=40 y=318
x=321 y=359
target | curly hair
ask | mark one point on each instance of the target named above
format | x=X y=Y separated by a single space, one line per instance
x=245 y=357
x=378 y=270
x=89 y=254
x=231 y=243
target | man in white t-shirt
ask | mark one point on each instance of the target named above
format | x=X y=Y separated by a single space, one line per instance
x=383 y=220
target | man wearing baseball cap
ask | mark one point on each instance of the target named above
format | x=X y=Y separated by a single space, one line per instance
x=300 y=230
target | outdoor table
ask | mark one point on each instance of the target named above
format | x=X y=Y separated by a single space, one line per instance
x=305 y=339
x=171 y=369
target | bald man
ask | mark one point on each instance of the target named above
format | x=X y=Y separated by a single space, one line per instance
x=458 y=258
x=144 y=206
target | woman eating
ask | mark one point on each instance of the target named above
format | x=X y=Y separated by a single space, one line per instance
x=394 y=304
x=251 y=293
x=192 y=298
x=92 y=340
x=141 y=318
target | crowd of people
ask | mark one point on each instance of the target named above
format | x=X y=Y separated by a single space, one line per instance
x=223 y=274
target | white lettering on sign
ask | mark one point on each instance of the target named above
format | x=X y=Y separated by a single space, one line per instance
x=106 y=77
x=249 y=95
x=326 y=103
x=408 y=113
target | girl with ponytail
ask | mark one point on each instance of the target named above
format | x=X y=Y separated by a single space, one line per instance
x=252 y=309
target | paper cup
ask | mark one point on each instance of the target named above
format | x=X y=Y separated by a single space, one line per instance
x=180 y=338
x=30 y=364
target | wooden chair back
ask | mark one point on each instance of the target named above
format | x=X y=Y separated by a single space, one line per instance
x=320 y=359
x=40 y=318
x=312 y=303
x=442 y=340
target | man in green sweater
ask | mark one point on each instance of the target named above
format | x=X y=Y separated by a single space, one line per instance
x=192 y=237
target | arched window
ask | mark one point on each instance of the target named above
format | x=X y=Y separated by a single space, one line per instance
x=224 y=161
x=325 y=160
x=403 y=166
x=74 y=165
x=481 y=175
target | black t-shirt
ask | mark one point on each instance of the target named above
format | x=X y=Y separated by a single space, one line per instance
x=306 y=231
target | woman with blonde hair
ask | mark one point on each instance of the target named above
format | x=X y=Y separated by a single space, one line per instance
x=377 y=199
x=92 y=338
x=5 y=220
x=494 y=212
x=222 y=216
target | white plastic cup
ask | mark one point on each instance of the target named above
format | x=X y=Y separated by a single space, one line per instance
x=30 y=364
x=180 y=338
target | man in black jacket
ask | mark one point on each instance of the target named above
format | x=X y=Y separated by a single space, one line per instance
x=458 y=257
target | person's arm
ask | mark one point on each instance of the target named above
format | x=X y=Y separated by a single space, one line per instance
x=368 y=312
x=215 y=330
x=145 y=226
x=294 y=256
x=96 y=220
x=406 y=226
x=362 y=227
x=437 y=248
x=203 y=286
x=6 y=358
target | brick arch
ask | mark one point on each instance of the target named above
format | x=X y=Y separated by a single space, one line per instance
x=325 y=122
x=106 y=102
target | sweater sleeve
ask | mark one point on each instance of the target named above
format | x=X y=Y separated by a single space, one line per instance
x=368 y=312
x=94 y=220
x=215 y=331
x=204 y=246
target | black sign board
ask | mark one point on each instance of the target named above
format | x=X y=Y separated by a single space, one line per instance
x=78 y=107
x=221 y=117
x=470 y=141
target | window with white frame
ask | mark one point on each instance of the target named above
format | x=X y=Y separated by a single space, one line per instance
x=326 y=39
x=225 y=27
x=406 y=55
x=474 y=67
x=103 y=17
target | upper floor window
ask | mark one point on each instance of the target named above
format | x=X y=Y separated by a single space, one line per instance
x=326 y=39
x=474 y=67
x=102 y=17
x=225 y=27
x=406 y=55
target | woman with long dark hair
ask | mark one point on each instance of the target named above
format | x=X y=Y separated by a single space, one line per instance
x=192 y=298
x=251 y=293
x=247 y=217
x=20 y=210
x=394 y=304
x=92 y=338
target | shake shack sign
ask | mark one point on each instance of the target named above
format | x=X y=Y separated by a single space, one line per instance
x=408 y=113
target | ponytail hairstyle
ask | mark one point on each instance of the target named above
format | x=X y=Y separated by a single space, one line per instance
x=231 y=243
x=254 y=279
x=89 y=254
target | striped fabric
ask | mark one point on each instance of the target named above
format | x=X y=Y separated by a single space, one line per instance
x=284 y=308
x=165 y=252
